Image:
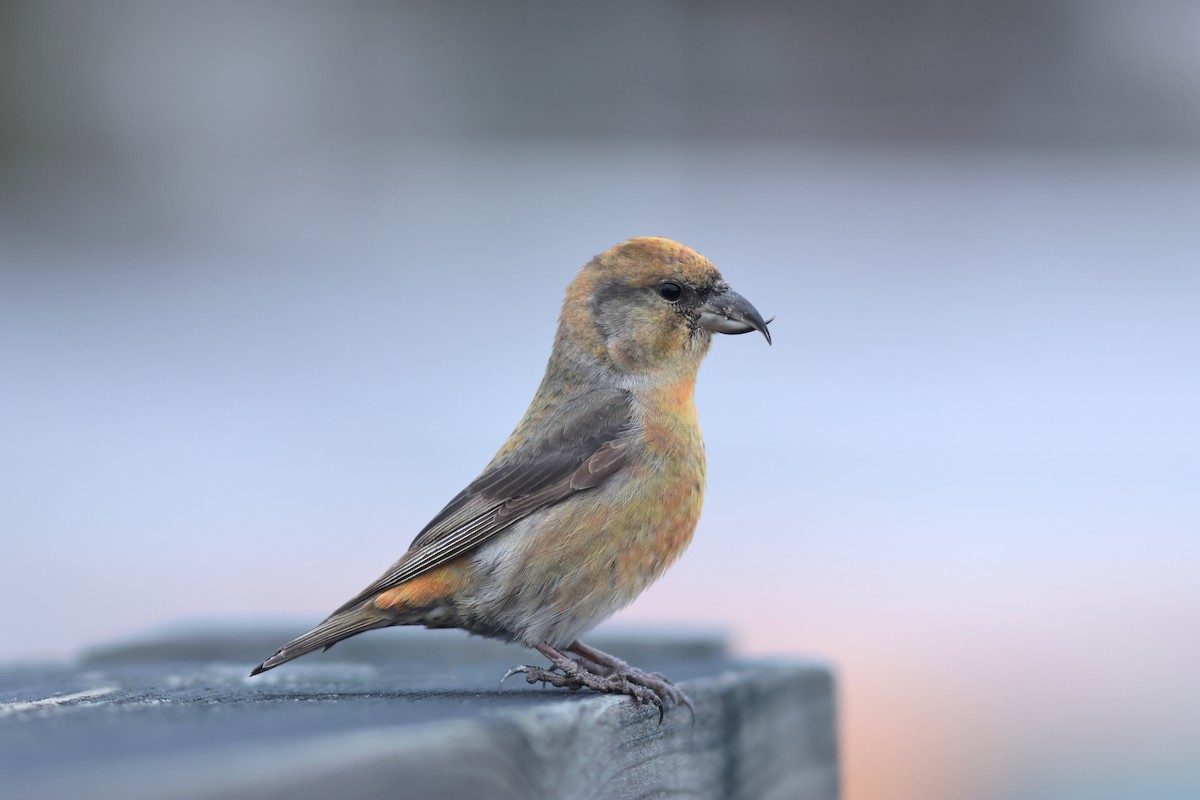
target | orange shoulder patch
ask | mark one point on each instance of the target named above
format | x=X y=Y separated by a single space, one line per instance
x=422 y=591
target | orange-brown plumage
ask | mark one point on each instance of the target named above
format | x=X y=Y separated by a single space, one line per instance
x=424 y=591
x=596 y=491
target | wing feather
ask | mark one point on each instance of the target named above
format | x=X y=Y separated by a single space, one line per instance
x=578 y=452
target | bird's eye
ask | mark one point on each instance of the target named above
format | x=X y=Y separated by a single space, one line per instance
x=670 y=291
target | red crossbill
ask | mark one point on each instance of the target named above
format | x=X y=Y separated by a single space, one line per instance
x=596 y=492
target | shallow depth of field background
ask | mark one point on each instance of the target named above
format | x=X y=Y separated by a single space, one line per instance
x=276 y=281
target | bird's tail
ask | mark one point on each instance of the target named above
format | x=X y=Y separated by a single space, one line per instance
x=335 y=628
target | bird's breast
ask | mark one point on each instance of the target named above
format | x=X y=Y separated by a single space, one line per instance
x=672 y=488
x=563 y=570
x=622 y=535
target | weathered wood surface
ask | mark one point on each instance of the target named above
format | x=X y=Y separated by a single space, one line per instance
x=407 y=714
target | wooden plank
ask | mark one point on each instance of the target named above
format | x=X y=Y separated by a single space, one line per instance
x=421 y=720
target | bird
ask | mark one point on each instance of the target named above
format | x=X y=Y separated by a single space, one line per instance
x=594 y=494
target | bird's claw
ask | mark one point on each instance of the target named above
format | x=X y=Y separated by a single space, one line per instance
x=661 y=687
x=532 y=675
x=514 y=671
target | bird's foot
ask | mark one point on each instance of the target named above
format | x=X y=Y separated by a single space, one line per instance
x=605 y=674
x=656 y=682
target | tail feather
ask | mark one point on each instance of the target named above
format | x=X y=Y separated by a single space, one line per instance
x=324 y=636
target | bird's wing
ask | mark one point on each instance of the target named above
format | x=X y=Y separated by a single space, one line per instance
x=584 y=442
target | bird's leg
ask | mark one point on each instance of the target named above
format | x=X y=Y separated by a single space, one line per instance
x=607 y=663
x=600 y=677
x=614 y=667
x=592 y=666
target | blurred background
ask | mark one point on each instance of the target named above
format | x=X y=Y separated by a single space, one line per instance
x=277 y=279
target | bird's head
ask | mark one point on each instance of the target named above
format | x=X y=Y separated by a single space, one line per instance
x=651 y=305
